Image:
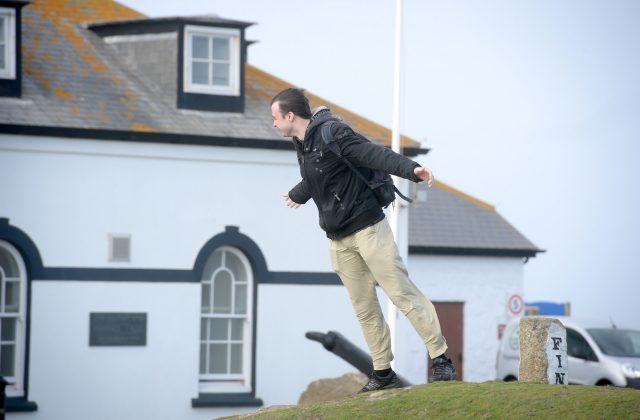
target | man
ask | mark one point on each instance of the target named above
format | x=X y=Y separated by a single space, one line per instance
x=363 y=250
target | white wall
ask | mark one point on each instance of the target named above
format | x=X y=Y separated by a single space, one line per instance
x=483 y=284
x=69 y=195
x=69 y=379
x=285 y=314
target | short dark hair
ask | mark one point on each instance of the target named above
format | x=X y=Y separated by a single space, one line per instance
x=293 y=100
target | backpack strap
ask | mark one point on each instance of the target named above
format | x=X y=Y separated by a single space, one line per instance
x=330 y=141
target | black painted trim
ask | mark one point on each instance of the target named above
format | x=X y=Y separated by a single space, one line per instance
x=159 y=25
x=485 y=252
x=293 y=277
x=72 y=133
x=12 y=88
x=204 y=101
x=33 y=264
x=144 y=137
x=137 y=28
x=20 y=405
x=118 y=274
x=233 y=238
x=226 y=400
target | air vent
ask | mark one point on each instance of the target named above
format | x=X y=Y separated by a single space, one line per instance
x=120 y=248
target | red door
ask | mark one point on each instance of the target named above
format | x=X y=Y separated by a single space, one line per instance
x=451 y=316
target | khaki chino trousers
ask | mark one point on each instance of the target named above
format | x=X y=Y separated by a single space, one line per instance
x=369 y=256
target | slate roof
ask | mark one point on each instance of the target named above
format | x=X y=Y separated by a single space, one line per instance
x=72 y=79
x=451 y=222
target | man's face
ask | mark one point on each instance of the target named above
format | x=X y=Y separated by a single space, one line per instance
x=282 y=122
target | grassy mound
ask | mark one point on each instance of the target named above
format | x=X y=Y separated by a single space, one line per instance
x=474 y=400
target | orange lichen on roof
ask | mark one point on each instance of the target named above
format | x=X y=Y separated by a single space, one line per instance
x=465 y=196
x=81 y=11
x=142 y=127
x=66 y=16
x=74 y=111
x=63 y=93
x=265 y=85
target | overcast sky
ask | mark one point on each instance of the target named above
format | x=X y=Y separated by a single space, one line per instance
x=530 y=105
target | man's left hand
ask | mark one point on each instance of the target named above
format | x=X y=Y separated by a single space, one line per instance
x=424 y=174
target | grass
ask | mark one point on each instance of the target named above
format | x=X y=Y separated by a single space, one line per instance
x=488 y=400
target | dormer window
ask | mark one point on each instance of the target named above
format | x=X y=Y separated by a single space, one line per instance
x=7 y=43
x=212 y=60
x=204 y=68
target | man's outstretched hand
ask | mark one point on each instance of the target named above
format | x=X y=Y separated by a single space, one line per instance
x=289 y=202
x=424 y=174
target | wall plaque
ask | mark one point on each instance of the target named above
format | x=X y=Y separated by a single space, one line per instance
x=117 y=329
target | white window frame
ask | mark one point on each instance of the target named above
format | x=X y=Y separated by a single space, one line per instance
x=15 y=388
x=9 y=16
x=233 y=383
x=233 y=89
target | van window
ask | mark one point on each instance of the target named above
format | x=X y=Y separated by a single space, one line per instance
x=578 y=347
x=621 y=343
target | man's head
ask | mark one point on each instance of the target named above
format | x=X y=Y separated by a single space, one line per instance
x=290 y=111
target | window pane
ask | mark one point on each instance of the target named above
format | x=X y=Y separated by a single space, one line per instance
x=3 y=63
x=7 y=357
x=12 y=296
x=213 y=263
x=206 y=298
x=222 y=293
x=219 y=329
x=8 y=329
x=200 y=47
x=237 y=326
x=221 y=49
x=203 y=359
x=218 y=358
x=7 y=262
x=204 y=322
x=200 y=73
x=234 y=264
x=236 y=358
x=241 y=299
x=221 y=74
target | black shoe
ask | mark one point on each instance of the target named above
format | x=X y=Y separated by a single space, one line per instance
x=386 y=382
x=443 y=370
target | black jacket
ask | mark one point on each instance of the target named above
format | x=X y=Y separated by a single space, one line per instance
x=345 y=203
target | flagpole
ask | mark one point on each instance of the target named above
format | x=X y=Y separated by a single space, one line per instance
x=394 y=213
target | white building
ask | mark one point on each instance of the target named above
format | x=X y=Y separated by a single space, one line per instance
x=148 y=266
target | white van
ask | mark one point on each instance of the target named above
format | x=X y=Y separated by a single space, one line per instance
x=597 y=356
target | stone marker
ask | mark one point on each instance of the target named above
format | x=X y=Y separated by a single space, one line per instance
x=333 y=389
x=543 y=351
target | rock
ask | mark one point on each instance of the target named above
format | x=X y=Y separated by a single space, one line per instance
x=543 y=351
x=334 y=388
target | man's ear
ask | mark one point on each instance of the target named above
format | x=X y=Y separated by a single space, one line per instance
x=290 y=115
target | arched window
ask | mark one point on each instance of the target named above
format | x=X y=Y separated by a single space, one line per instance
x=13 y=301
x=226 y=329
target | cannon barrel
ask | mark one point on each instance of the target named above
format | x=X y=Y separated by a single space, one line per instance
x=337 y=344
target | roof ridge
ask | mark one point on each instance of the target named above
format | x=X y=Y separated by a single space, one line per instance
x=465 y=196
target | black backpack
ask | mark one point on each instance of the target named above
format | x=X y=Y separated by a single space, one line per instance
x=380 y=182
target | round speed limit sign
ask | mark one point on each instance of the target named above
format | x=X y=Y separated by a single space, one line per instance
x=515 y=304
